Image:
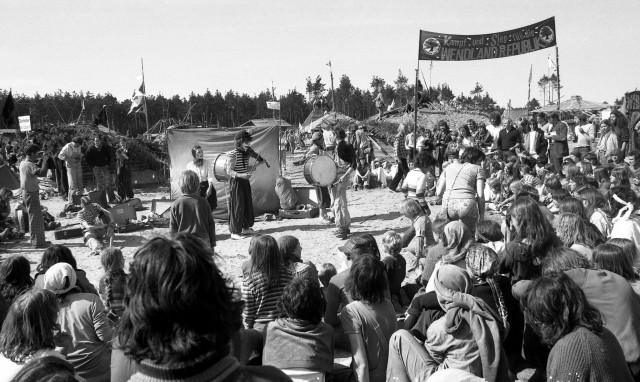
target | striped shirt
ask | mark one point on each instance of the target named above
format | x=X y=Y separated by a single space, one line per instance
x=414 y=186
x=238 y=161
x=260 y=298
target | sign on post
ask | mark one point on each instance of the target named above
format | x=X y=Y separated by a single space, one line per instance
x=25 y=123
x=273 y=105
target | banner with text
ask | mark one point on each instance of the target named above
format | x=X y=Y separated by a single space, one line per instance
x=452 y=47
x=25 y=123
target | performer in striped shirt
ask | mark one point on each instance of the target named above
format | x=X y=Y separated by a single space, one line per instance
x=240 y=204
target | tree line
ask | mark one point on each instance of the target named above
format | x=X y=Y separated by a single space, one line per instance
x=232 y=108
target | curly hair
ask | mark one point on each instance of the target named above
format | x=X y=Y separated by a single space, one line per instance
x=367 y=280
x=15 y=277
x=555 y=306
x=178 y=304
x=570 y=229
x=29 y=325
x=302 y=299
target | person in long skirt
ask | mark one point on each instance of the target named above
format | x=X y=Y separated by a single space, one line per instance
x=240 y=203
x=123 y=178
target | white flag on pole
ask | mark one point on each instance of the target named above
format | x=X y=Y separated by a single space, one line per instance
x=273 y=105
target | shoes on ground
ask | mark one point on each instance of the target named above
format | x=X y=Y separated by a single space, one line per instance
x=236 y=236
x=46 y=244
x=248 y=231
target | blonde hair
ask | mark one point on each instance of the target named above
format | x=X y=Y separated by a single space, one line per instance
x=189 y=182
x=392 y=242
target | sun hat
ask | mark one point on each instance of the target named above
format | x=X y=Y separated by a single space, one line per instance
x=60 y=278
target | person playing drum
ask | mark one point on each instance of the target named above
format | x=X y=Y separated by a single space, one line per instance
x=346 y=163
x=202 y=167
x=322 y=192
x=240 y=203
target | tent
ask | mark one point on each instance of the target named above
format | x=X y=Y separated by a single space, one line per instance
x=216 y=141
x=266 y=122
x=575 y=103
x=315 y=114
x=8 y=178
x=329 y=119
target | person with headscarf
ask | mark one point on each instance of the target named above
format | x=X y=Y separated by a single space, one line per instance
x=468 y=337
x=456 y=239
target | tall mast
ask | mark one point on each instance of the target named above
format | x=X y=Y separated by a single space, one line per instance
x=144 y=98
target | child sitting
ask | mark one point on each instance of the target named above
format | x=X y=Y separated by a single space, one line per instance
x=113 y=284
x=395 y=265
x=96 y=222
x=418 y=236
x=361 y=175
x=325 y=273
x=488 y=233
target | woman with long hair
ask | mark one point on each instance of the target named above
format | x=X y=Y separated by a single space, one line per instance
x=571 y=229
x=582 y=348
x=595 y=207
x=529 y=237
x=14 y=278
x=291 y=251
x=629 y=248
x=29 y=332
x=368 y=321
x=262 y=287
x=441 y=138
x=613 y=258
x=608 y=142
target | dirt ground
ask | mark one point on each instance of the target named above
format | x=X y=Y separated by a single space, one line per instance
x=372 y=211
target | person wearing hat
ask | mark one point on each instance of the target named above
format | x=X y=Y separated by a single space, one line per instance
x=322 y=192
x=240 y=203
x=82 y=316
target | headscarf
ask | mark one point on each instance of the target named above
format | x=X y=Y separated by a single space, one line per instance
x=458 y=238
x=453 y=287
x=482 y=265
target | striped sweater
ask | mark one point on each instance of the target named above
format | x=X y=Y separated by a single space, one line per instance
x=261 y=298
x=415 y=185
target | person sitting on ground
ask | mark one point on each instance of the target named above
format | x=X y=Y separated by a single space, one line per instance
x=81 y=315
x=488 y=233
x=325 y=273
x=395 y=265
x=630 y=250
x=362 y=175
x=417 y=238
x=59 y=253
x=113 y=283
x=336 y=293
x=570 y=229
x=529 y=235
x=96 y=222
x=467 y=337
x=291 y=251
x=583 y=349
x=30 y=332
x=262 y=288
x=47 y=368
x=191 y=213
x=300 y=330
x=595 y=206
x=368 y=322
x=456 y=239
x=178 y=278
x=14 y=278
x=9 y=228
x=613 y=258
x=415 y=185
x=624 y=204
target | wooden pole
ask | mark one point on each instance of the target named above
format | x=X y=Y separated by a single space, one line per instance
x=415 y=110
x=558 y=75
x=333 y=102
x=529 y=95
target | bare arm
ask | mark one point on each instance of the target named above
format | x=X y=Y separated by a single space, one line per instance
x=442 y=184
x=480 y=192
x=359 y=353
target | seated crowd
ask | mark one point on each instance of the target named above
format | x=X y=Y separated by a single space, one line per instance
x=547 y=289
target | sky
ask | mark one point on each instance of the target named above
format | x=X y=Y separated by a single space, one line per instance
x=194 y=45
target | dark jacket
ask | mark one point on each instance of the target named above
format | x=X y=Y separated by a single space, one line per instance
x=559 y=144
x=98 y=157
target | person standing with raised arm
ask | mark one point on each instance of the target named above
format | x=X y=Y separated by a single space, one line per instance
x=30 y=185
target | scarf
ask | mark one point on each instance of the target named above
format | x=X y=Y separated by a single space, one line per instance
x=458 y=239
x=453 y=287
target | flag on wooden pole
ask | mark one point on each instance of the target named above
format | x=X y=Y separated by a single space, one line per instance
x=101 y=119
x=137 y=99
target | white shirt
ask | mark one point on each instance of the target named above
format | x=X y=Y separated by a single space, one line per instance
x=584 y=139
x=408 y=141
x=494 y=131
x=205 y=172
x=329 y=138
x=70 y=152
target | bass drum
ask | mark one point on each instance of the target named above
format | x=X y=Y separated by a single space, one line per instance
x=320 y=170
x=219 y=167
